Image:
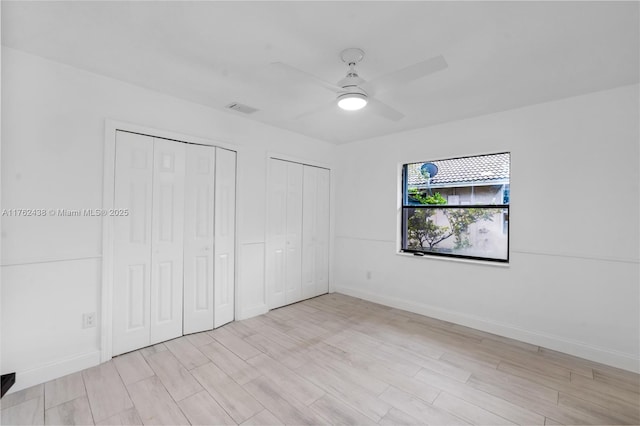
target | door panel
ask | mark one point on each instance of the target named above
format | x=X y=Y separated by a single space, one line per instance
x=309 y=231
x=199 y=238
x=132 y=242
x=224 y=224
x=276 y=232
x=315 y=235
x=322 y=231
x=167 y=240
x=293 y=248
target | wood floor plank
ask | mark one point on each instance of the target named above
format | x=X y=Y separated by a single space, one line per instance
x=350 y=343
x=150 y=350
x=556 y=382
x=546 y=408
x=419 y=409
x=63 y=389
x=290 y=358
x=399 y=335
x=28 y=412
x=582 y=388
x=290 y=382
x=279 y=320
x=235 y=400
x=173 y=375
x=289 y=410
x=537 y=365
x=234 y=343
x=263 y=418
x=516 y=413
x=602 y=372
x=186 y=353
x=240 y=329
x=470 y=363
x=348 y=392
x=105 y=391
x=307 y=331
x=467 y=411
x=132 y=367
x=74 y=412
x=202 y=409
x=345 y=369
x=336 y=413
x=616 y=373
x=397 y=417
x=632 y=385
x=577 y=365
x=126 y=418
x=379 y=370
x=199 y=339
x=394 y=352
x=607 y=415
x=302 y=309
x=154 y=404
x=237 y=368
x=15 y=398
x=524 y=387
x=281 y=338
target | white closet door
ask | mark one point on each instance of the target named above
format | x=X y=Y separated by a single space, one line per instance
x=167 y=240
x=276 y=232
x=225 y=213
x=132 y=242
x=309 y=227
x=293 y=251
x=198 y=238
x=321 y=260
x=315 y=232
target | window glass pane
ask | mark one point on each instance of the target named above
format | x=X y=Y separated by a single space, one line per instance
x=482 y=179
x=473 y=232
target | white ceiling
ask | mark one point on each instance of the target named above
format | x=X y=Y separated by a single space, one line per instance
x=501 y=55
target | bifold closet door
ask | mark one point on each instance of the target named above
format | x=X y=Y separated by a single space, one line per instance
x=315 y=232
x=174 y=254
x=225 y=225
x=199 y=238
x=284 y=233
x=132 y=242
x=167 y=240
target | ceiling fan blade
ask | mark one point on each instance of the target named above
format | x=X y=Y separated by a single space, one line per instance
x=299 y=74
x=384 y=110
x=324 y=107
x=405 y=75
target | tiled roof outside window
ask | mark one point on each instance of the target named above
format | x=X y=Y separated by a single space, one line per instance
x=478 y=169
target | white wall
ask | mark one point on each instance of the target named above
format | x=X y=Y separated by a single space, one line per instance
x=573 y=280
x=53 y=120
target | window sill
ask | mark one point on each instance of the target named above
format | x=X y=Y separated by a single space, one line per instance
x=453 y=259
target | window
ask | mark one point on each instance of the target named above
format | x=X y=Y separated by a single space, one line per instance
x=457 y=207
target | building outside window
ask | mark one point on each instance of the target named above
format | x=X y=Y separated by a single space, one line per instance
x=457 y=207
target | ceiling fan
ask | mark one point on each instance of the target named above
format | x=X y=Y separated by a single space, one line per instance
x=353 y=93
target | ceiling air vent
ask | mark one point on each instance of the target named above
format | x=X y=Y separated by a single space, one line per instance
x=246 y=109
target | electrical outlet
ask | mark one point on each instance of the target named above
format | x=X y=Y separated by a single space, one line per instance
x=368 y=275
x=89 y=320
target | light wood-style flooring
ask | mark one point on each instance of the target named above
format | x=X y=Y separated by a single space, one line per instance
x=336 y=360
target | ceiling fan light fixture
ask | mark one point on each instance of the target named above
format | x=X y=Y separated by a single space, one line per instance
x=352 y=101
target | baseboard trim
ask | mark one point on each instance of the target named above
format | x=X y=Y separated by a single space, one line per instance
x=602 y=355
x=53 y=370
